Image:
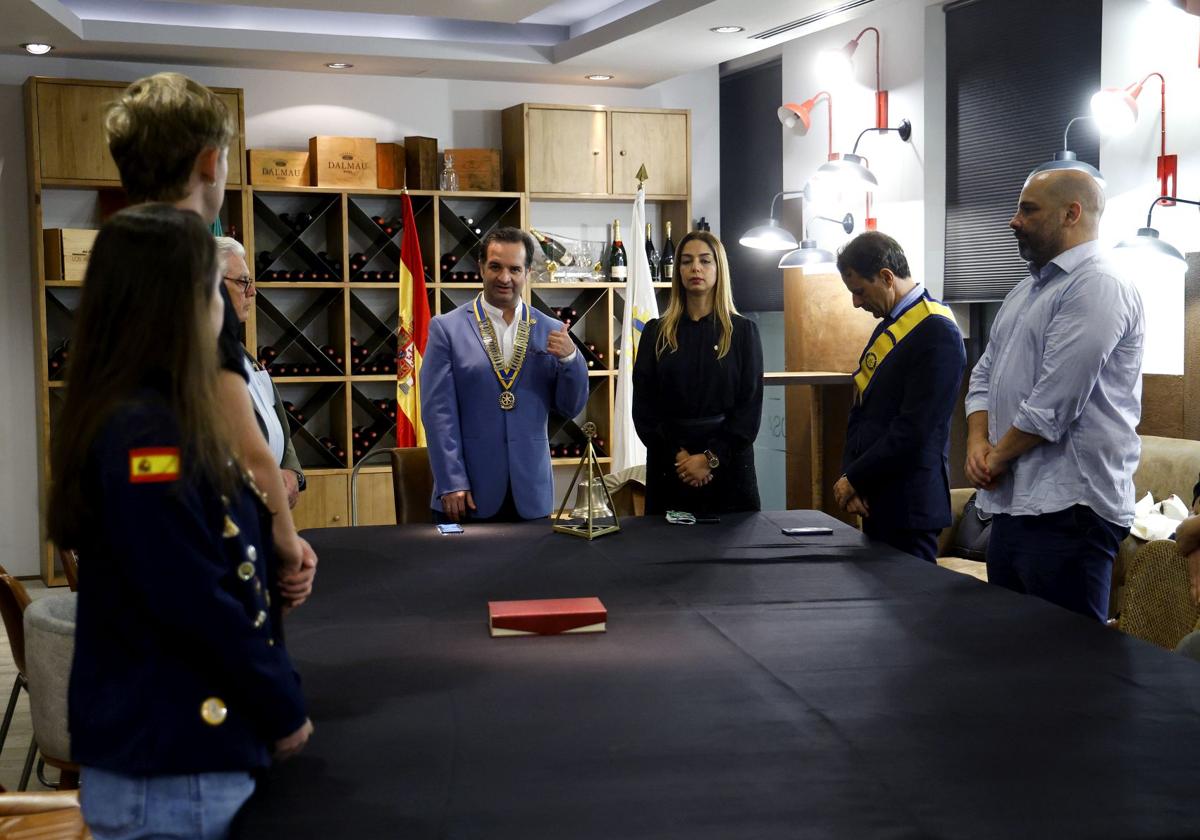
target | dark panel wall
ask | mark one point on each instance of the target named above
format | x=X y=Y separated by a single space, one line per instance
x=1017 y=71
x=751 y=173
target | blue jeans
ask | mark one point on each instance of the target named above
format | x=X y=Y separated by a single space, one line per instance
x=1065 y=557
x=196 y=807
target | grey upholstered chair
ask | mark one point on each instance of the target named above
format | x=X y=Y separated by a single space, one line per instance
x=49 y=647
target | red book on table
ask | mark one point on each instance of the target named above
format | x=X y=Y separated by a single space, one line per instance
x=546 y=617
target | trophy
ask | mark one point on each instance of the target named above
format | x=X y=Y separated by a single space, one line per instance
x=593 y=515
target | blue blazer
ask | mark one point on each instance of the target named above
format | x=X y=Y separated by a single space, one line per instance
x=898 y=436
x=473 y=443
x=175 y=611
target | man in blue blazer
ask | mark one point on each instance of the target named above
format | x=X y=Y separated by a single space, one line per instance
x=895 y=468
x=493 y=369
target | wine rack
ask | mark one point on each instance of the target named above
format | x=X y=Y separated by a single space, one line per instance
x=326 y=265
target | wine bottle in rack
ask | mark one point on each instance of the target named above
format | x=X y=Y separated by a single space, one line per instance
x=618 y=263
x=651 y=255
x=554 y=250
x=666 y=267
x=447 y=264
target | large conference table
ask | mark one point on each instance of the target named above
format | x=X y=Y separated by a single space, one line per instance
x=750 y=685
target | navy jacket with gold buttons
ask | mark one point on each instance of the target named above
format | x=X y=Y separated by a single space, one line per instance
x=179 y=666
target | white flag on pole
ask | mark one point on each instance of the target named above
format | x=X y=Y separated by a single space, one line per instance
x=640 y=307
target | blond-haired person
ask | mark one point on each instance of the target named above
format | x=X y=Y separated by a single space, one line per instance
x=697 y=390
x=169 y=136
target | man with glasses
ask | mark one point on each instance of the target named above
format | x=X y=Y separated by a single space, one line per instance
x=268 y=407
x=493 y=370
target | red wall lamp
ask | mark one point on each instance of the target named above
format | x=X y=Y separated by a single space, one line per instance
x=1115 y=110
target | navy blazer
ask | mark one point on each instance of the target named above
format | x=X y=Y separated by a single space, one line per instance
x=174 y=615
x=473 y=443
x=898 y=436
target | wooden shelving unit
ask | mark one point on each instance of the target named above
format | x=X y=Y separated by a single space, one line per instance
x=318 y=323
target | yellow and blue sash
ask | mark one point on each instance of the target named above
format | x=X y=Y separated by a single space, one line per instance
x=887 y=340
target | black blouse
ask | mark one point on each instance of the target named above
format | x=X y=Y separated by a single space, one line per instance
x=689 y=398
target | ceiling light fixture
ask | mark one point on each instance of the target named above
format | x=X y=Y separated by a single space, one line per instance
x=598 y=77
x=1115 y=110
x=37 y=49
x=727 y=30
x=339 y=65
x=838 y=63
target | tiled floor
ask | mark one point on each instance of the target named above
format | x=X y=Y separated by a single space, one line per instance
x=12 y=757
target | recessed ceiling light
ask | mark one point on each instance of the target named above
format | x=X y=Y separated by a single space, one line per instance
x=37 y=49
x=598 y=77
x=727 y=30
x=339 y=65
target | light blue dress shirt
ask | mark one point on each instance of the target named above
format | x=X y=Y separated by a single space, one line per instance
x=908 y=300
x=1064 y=362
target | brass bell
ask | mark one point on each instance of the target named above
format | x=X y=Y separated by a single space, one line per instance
x=590 y=499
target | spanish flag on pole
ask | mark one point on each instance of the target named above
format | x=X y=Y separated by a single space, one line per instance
x=412 y=333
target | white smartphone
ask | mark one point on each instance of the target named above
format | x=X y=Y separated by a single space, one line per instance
x=815 y=531
x=449 y=528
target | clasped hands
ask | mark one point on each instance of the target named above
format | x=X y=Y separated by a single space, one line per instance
x=848 y=499
x=297 y=569
x=692 y=470
x=984 y=467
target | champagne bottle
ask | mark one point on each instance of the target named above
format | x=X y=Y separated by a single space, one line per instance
x=618 y=263
x=667 y=264
x=552 y=248
x=651 y=255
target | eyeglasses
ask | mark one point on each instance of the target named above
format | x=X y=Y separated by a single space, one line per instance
x=244 y=281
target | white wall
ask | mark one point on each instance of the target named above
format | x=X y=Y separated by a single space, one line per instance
x=283 y=110
x=900 y=167
x=1139 y=38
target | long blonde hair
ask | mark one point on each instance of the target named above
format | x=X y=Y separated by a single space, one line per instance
x=677 y=307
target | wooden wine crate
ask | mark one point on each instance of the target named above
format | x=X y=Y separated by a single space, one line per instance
x=421 y=163
x=279 y=168
x=389 y=159
x=343 y=162
x=478 y=169
x=67 y=252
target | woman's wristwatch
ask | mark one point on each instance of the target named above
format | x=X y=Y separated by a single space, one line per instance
x=713 y=460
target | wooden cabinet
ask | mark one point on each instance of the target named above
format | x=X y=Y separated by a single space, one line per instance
x=568 y=151
x=660 y=141
x=69 y=123
x=325 y=503
x=553 y=151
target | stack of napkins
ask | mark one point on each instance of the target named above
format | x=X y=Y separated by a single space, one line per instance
x=1153 y=521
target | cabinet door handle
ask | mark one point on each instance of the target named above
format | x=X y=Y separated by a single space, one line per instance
x=595 y=152
x=337 y=517
x=622 y=153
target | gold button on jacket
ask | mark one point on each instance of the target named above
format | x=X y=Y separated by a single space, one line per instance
x=213 y=711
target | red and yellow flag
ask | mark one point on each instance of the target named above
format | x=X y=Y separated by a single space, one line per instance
x=411 y=334
x=153 y=464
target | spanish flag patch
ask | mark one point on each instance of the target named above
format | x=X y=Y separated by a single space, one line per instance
x=155 y=464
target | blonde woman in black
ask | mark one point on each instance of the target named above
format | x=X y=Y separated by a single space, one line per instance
x=697 y=390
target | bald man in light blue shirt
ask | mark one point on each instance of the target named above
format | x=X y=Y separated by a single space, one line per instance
x=1054 y=404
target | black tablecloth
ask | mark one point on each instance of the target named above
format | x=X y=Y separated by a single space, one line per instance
x=750 y=685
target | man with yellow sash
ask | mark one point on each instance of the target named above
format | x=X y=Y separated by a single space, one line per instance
x=895 y=468
x=493 y=370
